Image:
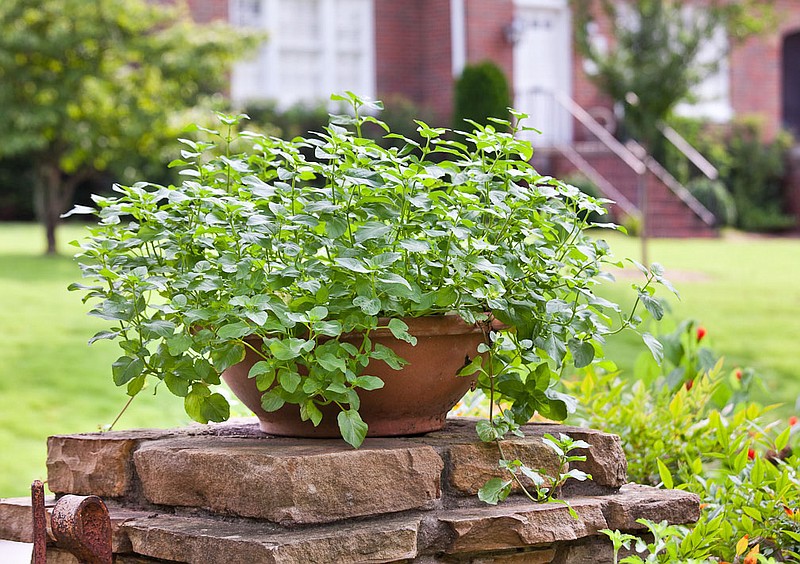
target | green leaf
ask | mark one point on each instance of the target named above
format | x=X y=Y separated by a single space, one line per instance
x=104 y=335
x=271 y=401
x=260 y=367
x=135 y=386
x=370 y=306
x=535 y=478
x=215 y=408
x=653 y=305
x=486 y=431
x=234 y=330
x=368 y=383
x=177 y=385
x=472 y=367
x=309 y=410
x=351 y=264
x=582 y=352
x=494 y=490
x=289 y=348
x=655 y=347
x=664 y=474
x=371 y=230
x=179 y=344
x=387 y=355
x=158 y=327
x=264 y=373
x=753 y=512
x=782 y=440
x=351 y=426
x=328 y=328
x=227 y=355
x=394 y=280
x=288 y=379
x=400 y=331
x=331 y=362
x=125 y=369
x=193 y=407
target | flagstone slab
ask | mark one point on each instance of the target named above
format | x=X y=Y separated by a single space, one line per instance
x=298 y=482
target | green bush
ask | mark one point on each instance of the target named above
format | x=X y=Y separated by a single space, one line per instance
x=16 y=188
x=401 y=115
x=754 y=175
x=481 y=92
x=751 y=168
x=689 y=424
x=716 y=198
x=292 y=122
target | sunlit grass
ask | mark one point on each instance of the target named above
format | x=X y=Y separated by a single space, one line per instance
x=745 y=290
x=51 y=381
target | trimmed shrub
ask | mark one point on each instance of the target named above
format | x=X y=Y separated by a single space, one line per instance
x=481 y=92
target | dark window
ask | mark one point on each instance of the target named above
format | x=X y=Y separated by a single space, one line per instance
x=791 y=82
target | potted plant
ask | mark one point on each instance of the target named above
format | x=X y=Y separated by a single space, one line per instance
x=310 y=259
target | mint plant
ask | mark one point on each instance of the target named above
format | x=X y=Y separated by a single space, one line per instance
x=537 y=485
x=283 y=247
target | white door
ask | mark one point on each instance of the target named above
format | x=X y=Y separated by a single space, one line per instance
x=542 y=36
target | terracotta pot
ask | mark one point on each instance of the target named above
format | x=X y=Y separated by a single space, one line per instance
x=413 y=400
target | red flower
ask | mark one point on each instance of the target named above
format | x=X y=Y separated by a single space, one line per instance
x=738 y=373
x=701 y=332
x=751 y=454
x=789 y=511
x=793 y=421
x=689 y=384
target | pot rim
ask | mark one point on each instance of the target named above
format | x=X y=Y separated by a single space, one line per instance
x=425 y=326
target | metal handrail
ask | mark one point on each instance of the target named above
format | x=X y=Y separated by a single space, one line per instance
x=676 y=187
x=640 y=165
x=694 y=156
x=601 y=133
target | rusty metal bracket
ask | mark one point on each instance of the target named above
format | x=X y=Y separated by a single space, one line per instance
x=79 y=524
x=39 y=523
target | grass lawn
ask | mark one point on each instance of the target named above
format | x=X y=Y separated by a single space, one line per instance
x=745 y=291
x=51 y=382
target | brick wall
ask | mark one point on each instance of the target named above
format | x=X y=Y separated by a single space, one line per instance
x=756 y=82
x=486 y=21
x=204 y=11
x=412 y=53
x=398 y=48
x=414 y=47
x=437 y=68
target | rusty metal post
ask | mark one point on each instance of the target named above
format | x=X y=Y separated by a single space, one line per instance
x=81 y=524
x=39 y=523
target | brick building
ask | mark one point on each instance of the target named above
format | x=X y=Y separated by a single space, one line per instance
x=415 y=48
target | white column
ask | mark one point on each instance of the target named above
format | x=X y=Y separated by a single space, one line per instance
x=458 y=36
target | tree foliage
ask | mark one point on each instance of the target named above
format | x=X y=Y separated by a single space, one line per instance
x=87 y=86
x=654 y=59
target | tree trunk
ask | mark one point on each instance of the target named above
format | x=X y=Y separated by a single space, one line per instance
x=56 y=193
